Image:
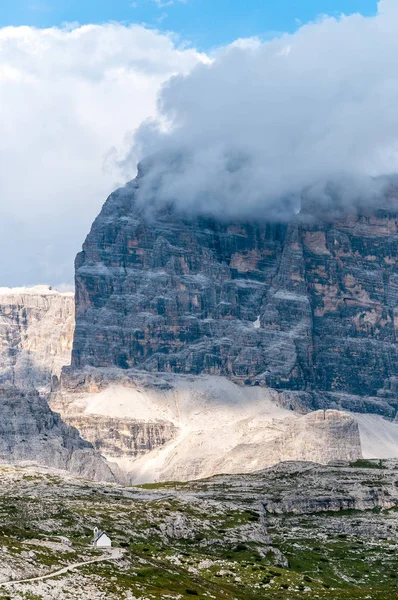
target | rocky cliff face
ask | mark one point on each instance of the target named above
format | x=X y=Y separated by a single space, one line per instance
x=30 y=431
x=309 y=309
x=36 y=333
x=172 y=295
x=125 y=438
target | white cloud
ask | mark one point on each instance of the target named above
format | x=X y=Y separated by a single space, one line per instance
x=386 y=7
x=267 y=120
x=164 y=3
x=67 y=96
x=259 y=121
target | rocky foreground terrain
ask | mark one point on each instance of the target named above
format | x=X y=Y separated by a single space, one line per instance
x=298 y=530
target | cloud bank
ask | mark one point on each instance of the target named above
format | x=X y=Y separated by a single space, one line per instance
x=67 y=98
x=313 y=113
x=248 y=132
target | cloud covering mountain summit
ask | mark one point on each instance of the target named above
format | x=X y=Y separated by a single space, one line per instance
x=313 y=112
x=249 y=130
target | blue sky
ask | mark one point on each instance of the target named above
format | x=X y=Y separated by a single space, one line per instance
x=206 y=23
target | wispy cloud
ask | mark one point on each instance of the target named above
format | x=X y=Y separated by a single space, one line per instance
x=165 y=3
x=162 y=17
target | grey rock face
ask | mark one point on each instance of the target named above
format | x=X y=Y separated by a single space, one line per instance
x=358 y=488
x=172 y=295
x=30 y=431
x=115 y=434
x=36 y=333
x=117 y=438
x=310 y=309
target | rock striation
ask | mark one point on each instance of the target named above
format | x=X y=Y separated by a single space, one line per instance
x=125 y=438
x=309 y=308
x=36 y=333
x=201 y=344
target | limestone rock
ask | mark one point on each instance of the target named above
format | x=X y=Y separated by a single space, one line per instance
x=319 y=437
x=349 y=494
x=212 y=424
x=36 y=333
x=31 y=432
x=309 y=309
x=118 y=438
x=177 y=526
x=188 y=331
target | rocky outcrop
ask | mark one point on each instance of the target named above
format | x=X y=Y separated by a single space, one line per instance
x=31 y=432
x=362 y=485
x=36 y=333
x=317 y=437
x=320 y=436
x=309 y=309
x=118 y=438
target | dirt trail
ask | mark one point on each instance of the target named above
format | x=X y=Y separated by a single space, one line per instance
x=113 y=554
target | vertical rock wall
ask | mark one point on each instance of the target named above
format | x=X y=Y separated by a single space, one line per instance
x=36 y=333
x=310 y=307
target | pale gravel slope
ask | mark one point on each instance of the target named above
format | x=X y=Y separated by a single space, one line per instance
x=379 y=437
x=221 y=426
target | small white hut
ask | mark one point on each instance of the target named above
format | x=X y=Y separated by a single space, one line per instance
x=100 y=539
